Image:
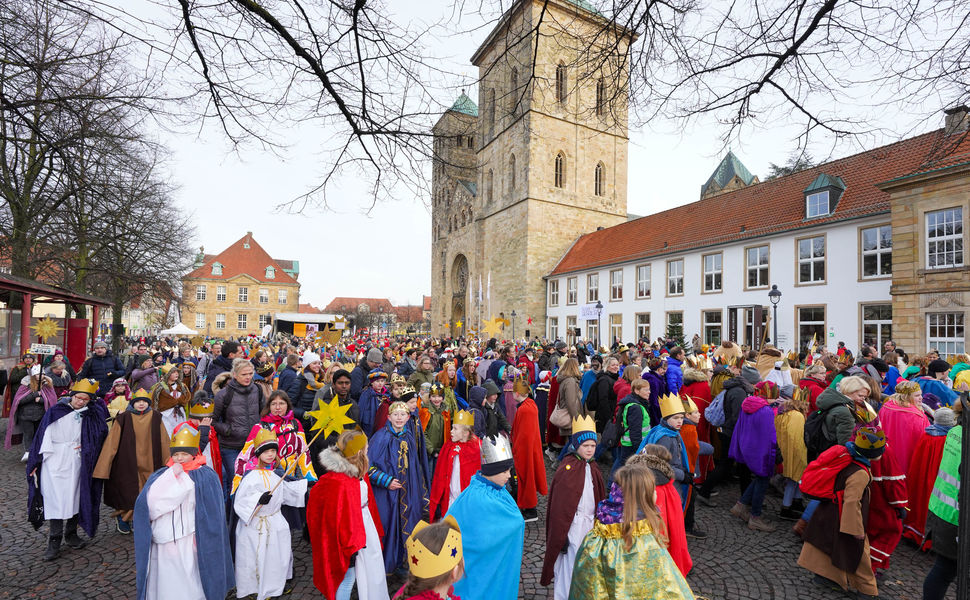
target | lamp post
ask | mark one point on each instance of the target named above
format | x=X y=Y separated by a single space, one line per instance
x=599 y=322
x=512 y=314
x=963 y=500
x=775 y=296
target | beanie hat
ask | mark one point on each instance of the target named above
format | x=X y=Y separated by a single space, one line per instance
x=490 y=388
x=750 y=374
x=583 y=436
x=944 y=417
x=788 y=391
x=309 y=357
x=938 y=366
x=100 y=344
x=375 y=355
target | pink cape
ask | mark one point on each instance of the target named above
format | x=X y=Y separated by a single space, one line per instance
x=904 y=426
x=50 y=399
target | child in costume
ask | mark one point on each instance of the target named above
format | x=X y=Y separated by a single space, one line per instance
x=60 y=486
x=397 y=386
x=190 y=378
x=118 y=398
x=657 y=459
x=624 y=556
x=527 y=449
x=790 y=429
x=170 y=397
x=136 y=447
x=754 y=444
x=201 y=409
x=344 y=525
x=459 y=460
x=667 y=434
x=435 y=417
x=695 y=449
x=180 y=528
x=493 y=528
x=576 y=489
x=264 y=557
x=435 y=561
x=370 y=400
x=398 y=470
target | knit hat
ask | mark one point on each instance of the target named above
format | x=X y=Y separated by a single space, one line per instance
x=100 y=344
x=375 y=355
x=938 y=366
x=750 y=374
x=376 y=374
x=945 y=417
x=584 y=429
x=490 y=388
x=309 y=358
x=788 y=391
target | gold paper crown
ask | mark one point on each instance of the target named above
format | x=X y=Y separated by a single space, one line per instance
x=263 y=440
x=185 y=439
x=396 y=406
x=792 y=356
x=870 y=438
x=166 y=368
x=355 y=444
x=437 y=389
x=845 y=359
x=583 y=423
x=907 y=387
x=705 y=364
x=201 y=407
x=396 y=378
x=85 y=386
x=801 y=394
x=670 y=404
x=465 y=418
x=521 y=386
x=689 y=405
x=141 y=395
x=426 y=564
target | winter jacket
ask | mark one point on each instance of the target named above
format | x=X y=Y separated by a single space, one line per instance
x=586 y=382
x=674 y=375
x=570 y=397
x=420 y=377
x=105 y=369
x=285 y=379
x=406 y=367
x=144 y=379
x=234 y=420
x=839 y=420
x=59 y=383
x=602 y=399
x=358 y=379
x=547 y=362
x=754 y=441
x=622 y=387
x=301 y=392
x=218 y=366
x=476 y=397
x=736 y=390
x=494 y=420
x=658 y=388
x=815 y=388
x=634 y=409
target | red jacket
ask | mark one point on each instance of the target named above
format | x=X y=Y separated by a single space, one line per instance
x=814 y=387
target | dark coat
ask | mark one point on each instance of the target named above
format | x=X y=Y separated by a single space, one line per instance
x=105 y=369
x=736 y=390
x=286 y=377
x=234 y=422
x=218 y=366
x=634 y=419
x=564 y=495
x=358 y=379
x=602 y=398
x=658 y=388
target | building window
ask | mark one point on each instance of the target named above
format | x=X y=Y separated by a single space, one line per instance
x=220 y=293
x=877 y=251
x=944 y=333
x=216 y=268
x=553 y=328
x=944 y=238
x=270 y=273
x=757 y=265
x=471 y=141
x=200 y=292
x=553 y=292
x=877 y=324
x=598 y=179
x=600 y=97
x=593 y=331
x=241 y=321
x=244 y=294
x=199 y=320
x=593 y=287
x=571 y=329
x=560 y=170
x=616 y=285
x=643 y=326
x=616 y=328
x=220 y=320
x=458 y=141
x=810 y=326
x=263 y=296
x=281 y=296
x=675 y=277
x=513 y=90
x=712 y=272
x=511 y=174
x=817 y=204
x=572 y=285
x=263 y=321
x=488 y=187
x=811 y=260
x=712 y=327
x=643 y=281
x=490 y=112
x=561 y=82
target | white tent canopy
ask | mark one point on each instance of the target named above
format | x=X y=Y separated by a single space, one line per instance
x=179 y=329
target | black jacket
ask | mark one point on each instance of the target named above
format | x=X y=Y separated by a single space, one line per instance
x=235 y=412
x=601 y=398
x=105 y=369
x=494 y=420
x=736 y=390
x=217 y=367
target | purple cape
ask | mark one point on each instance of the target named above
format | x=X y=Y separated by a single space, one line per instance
x=50 y=399
x=93 y=432
x=754 y=441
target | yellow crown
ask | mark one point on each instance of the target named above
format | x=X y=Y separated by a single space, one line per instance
x=689 y=405
x=463 y=417
x=426 y=564
x=396 y=406
x=355 y=444
x=705 y=364
x=521 y=386
x=263 y=440
x=166 y=368
x=670 y=404
x=85 y=386
x=141 y=395
x=583 y=423
x=396 y=378
x=185 y=439
x=201 y=407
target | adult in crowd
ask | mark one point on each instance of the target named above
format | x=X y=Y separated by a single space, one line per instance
x=602 y=399
x=237 y=409
x=358 y=377
x=102 y=366
x=222 y=364
x=208 y=355
x=423 y=374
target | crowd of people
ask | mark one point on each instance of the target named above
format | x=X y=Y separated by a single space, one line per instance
x=426 y=458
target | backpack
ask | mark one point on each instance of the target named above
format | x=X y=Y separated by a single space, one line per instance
x=613 y=432
x=714 y=413
x=815 y=439
x=818 y=480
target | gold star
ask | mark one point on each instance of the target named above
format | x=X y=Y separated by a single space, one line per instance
x=331 y=417
x=458 y=324
x=46 y=329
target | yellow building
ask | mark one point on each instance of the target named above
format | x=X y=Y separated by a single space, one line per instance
x=239 y=290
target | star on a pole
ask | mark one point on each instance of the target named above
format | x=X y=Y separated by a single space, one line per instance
x=331 y=417
x=46 y=328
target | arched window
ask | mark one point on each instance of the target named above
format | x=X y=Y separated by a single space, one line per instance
x=490 y=121
x=513 y=90
x=561 y=83
x=511 y=174
x=560 y=170
x=463 y=217
x=600 y=97
x=598 y=179
x=458 y=141
x=488 y=188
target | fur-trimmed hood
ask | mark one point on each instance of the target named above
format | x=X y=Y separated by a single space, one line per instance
x=333 y=461
x=220 y=382
x=695 y=375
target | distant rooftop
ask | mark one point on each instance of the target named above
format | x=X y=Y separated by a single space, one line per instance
x=465 y=105
x=729 y=168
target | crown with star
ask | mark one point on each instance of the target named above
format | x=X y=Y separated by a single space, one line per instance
x=426 y=564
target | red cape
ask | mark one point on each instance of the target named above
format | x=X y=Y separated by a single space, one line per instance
x=214 y=452
x=336 y=527
x=919 y=483
x=381 y=418
x=672 y=512
x=469 y=462
x=887 y=493
x=700 y=392
x=527 y=453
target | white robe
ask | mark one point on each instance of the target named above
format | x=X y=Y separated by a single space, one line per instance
x=264 y=556
x=173 y=565
x=454 y=485
x=371 y=580
x=172 y=417
x=60 y=475
x=581 y=525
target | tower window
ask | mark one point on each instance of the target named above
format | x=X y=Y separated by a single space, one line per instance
x=491 y=112
x=471 y=141
x=561 y=83
x=458 y=141
x=560 y=170
x=600 y=97
x=488 y=189
x=598 y=180
x=511 y=173
x=513 y=90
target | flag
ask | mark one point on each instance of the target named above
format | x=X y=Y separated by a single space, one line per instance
x=479 y=288
x=488 y=292
x=811 y=346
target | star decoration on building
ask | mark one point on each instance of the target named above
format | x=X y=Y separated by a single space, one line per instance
x=458 y=324
x=46 y=328
x=529 y=320
x=494 y=326
x=331 y=417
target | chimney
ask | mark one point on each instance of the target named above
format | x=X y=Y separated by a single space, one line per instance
x=957 y=119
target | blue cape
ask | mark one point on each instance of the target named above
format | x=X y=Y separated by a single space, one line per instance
x=937 y=388
x=655 y=434
x=211 y=535
x=368 y=404
x=94 y=430
x=491 y=522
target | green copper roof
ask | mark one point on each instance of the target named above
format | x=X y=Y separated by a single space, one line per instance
x=583 y=4
x=465 y=105
x=725 y=172
x=825 y=181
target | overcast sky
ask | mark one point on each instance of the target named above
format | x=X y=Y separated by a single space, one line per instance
x=345 y=252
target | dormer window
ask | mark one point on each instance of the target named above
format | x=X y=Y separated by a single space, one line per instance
x=817 y=204
x=216 y=268
x=270 y=273
x=822 y=195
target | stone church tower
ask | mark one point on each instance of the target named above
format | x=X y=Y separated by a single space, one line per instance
x=541 y=160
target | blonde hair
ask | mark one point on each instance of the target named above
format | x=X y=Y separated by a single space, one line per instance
x=631 y=373
x=852 y=384
x=905 y=393
x=639 y=488
x=638 y=384
x=570 y=368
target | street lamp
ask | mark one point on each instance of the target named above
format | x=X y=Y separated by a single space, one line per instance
x=513 y=325
x=775 y=296
x=599 y=322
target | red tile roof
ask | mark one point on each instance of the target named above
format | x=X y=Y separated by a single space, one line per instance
x=409 y=314
x=237 y=260
x=342 y=304
x=765 y=208
x=427 y=303
x=309 y=309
